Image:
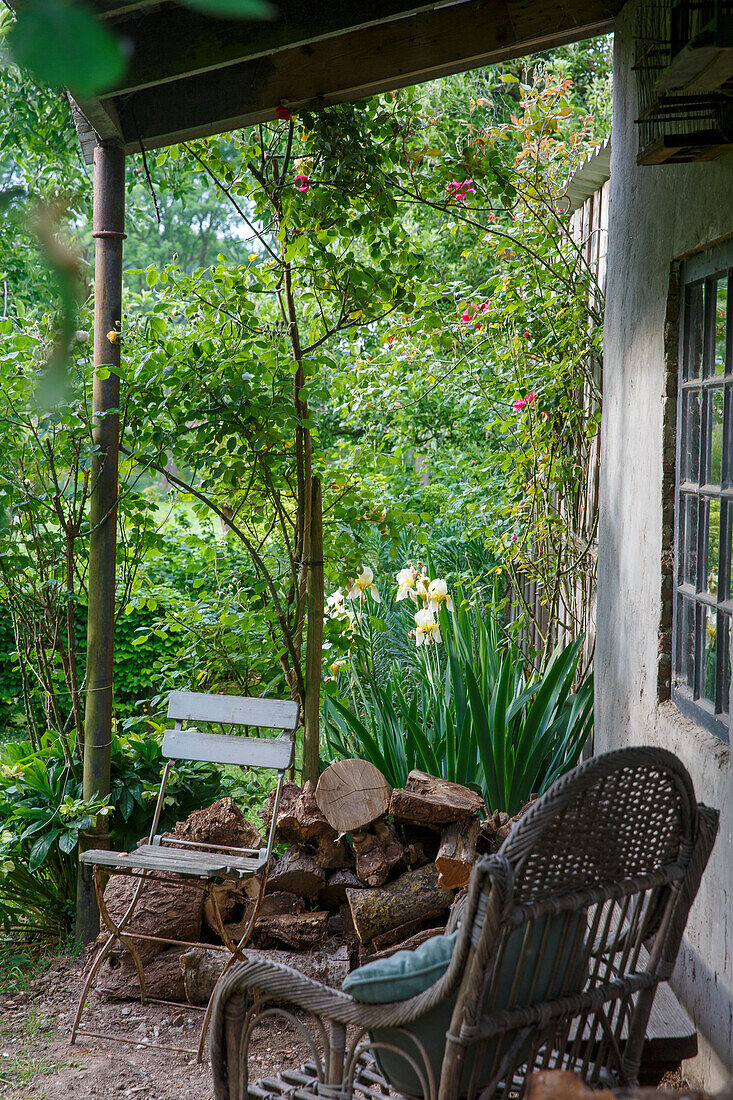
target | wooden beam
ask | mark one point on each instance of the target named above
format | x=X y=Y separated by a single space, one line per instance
x=350 y=66
x=195 y=43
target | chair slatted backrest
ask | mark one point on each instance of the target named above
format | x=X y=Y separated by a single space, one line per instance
x=234 y=710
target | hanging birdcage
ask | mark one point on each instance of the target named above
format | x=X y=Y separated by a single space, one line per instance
x=675 y=126
x=701 y=55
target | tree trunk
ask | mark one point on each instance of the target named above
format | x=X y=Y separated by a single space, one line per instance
x=314 y=639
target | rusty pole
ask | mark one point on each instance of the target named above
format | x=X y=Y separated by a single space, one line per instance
x=108 y=232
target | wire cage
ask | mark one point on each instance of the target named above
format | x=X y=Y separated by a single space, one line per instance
x=675 y=126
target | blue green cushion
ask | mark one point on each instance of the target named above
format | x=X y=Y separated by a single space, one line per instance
x=402 y=975
x=552 y=966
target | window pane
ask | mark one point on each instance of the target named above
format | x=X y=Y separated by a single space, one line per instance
x=713 y=546
x=694 y=316
x=725 y=694
x=691 y=441
x=710 y=623
x=689 y=548
x=715 y=436
x=726 y=516
x=686 y=632
x=721 y=316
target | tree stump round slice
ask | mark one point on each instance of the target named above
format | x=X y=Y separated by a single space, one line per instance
x=351 y=794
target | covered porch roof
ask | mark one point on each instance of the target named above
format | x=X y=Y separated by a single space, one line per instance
x=191 y=75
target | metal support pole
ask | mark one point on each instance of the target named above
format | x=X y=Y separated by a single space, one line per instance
x=108 y=232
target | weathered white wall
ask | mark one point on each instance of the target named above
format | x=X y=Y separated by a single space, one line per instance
x=657 y=214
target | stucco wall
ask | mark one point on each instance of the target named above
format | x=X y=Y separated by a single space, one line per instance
x=657 y=215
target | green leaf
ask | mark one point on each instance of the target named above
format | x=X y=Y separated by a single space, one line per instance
x=65 y=44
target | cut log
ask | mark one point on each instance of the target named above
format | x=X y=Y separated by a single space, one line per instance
x=409 y=944
x=279 y=902
x=427 y=800
x=163 y=976
x=352 y=794
x=163 y=909
x=378 y=853
x=287 y=822
x=202 y=968
x=333 y=854
x=415 y=854
x=222 y=823
x=311 y=822
x=297 y=873
x=301 y=931
x=435 y=922
x=412 y=896
x=236 y=899
x=457 y=853
x=334 y=892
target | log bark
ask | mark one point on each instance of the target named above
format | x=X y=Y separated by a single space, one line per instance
x=333 y=854
x=428 y=800
x=287 y=822
x=235 y=899
x=457 y=853
x=301 y=931
x=352 y=794
x=409 y=944
x=378 y=853
x=434 y=922
x=163 y=976
x=202 y=968
x=311 y=823
x=163 y=909
x=297 y=873
x=222 y=823
x=412 y=896
x=334 y=892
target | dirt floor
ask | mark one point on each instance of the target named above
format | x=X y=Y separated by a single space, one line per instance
x=37 y=1061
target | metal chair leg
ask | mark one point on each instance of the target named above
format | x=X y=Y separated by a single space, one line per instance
x=116 y=936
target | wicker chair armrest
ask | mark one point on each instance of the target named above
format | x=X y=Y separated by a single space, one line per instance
x=286 y=985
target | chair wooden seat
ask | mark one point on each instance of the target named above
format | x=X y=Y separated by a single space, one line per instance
x=179 y=861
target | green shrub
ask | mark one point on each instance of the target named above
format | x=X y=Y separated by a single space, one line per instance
x=467 y=706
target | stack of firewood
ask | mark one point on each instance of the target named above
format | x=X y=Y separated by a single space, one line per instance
x=375 y=866
x=366 y=870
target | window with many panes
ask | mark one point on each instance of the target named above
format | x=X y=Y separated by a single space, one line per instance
x=701 y=660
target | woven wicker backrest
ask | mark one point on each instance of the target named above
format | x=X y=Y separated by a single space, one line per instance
x=622 y=814
x=595 y=883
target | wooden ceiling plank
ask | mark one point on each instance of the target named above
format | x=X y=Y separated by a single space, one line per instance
x=196 y=43
x=432 y=44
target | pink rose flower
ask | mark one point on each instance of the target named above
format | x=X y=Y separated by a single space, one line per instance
x=302 y=183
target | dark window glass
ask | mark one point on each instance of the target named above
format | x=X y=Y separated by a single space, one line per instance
x=701 y=664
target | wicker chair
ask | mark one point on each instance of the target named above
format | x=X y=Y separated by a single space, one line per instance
x=583 y=909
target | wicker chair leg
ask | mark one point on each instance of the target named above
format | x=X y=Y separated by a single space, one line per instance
x=336 y=1052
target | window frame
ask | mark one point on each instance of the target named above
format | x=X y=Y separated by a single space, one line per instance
x=697 y=275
